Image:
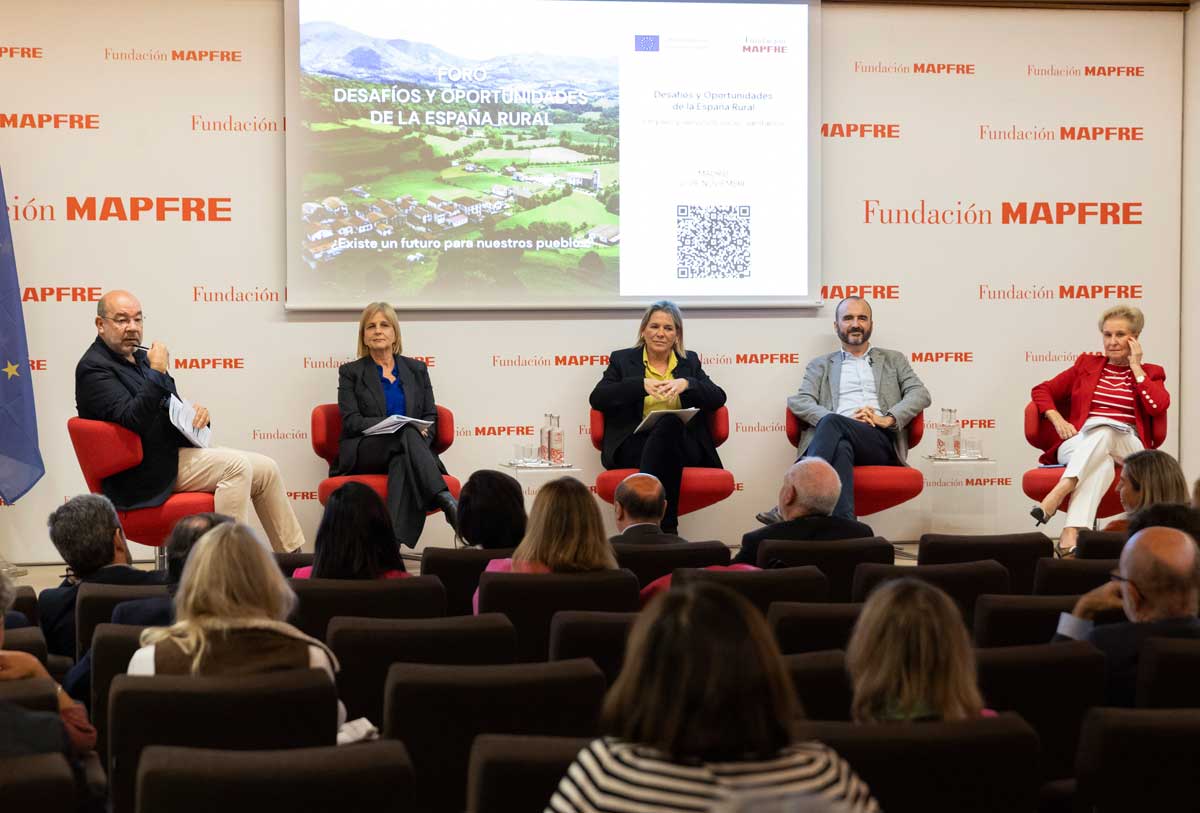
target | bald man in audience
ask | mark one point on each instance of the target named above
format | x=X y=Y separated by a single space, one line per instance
x=810 y=493
x=1158 y=586
x=641 y=503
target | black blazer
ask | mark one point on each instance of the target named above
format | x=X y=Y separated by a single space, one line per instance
x=56 y=605
x=646 y=534
x=108 y=388
x=621 y=392
x=810 y=527
x=362 y=404
x=1122 y=645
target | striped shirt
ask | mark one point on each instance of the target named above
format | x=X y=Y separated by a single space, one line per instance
x=612 y=775
x=1113 y=396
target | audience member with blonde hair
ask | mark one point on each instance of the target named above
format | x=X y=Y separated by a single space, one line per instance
x=565 y=534
x=1147 y=478
x=703 y=707
x=910 y=657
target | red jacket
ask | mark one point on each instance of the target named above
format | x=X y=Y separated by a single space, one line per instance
x=1071 y=391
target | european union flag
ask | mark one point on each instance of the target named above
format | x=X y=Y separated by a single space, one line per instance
x=645 y=42
x=20 y=459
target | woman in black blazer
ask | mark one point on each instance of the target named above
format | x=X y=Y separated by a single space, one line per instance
x=657 y=373
x=381 y=383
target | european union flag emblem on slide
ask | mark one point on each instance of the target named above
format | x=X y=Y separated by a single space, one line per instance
x=645 y=42
x=20 y=459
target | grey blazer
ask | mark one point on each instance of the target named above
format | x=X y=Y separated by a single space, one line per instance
x=899 y=390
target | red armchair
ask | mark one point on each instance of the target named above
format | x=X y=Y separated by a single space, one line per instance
x=699 y=488
x=877 y=488
x=327 y=432
x=104 y=449
x=1037 y=483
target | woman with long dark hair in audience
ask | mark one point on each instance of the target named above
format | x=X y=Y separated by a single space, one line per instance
x=703 y=707
x=910 y=658
x=354 y=539
x=657 y=373
x=491 y=511
x=565 y=534
x=1147 y=478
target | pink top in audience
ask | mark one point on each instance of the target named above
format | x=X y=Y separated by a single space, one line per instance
x=507 y=566
x=306 y=573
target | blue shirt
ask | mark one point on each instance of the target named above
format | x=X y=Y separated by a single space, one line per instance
x=393 y=393
x=857 y=387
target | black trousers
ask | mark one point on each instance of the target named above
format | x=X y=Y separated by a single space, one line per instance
x=844 y=442
x=414 y=478
x=663 y=451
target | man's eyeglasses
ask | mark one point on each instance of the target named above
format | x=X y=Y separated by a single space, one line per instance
x=123 y=321
x=1117 y=577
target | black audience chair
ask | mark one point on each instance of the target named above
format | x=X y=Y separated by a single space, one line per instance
x=113 y=646
x=836 y=558
x=812 y=626
x=1071 y=577
x=437 y=711
x=290 y=709
x=367 y=647
x=319 y=600
x=595 y=635
x=1169 y=674
x=1100 y=544
x=26 y=602
x=1051 y=686
x=375 y=776
x=36 y=694
x=1018 y=620
x=964 y=582
x=44 y=783
x=822 y=684
x=1138 y=759
x=27 y=639
x=531 y=600
x=289 y=562
x=459 y=570
x=649 y=562
x=514 y=773
x=95 y=603
x=763 y=587
x=989 y=765
x=1019 y=553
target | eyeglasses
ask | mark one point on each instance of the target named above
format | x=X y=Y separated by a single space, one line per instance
x=124 y=321
x=1117 y=577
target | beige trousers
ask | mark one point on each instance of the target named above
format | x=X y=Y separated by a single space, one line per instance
x=1091 y=456
x=236 y=479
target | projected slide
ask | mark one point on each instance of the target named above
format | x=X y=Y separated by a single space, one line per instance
x=549 y=153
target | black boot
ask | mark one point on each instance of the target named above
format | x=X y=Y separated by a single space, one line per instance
x=449 y=506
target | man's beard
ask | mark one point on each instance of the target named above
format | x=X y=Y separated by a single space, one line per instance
x=847 y=338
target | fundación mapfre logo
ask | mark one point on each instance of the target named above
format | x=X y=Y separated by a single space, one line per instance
x=203 y=55
x=861 y=130
x=1075 y=290
x=916 y=68
x=50 y=121
x=836 y=293
x=943 y=357
x=496 y=431
x=969 y=482
x=21 y=52
x=61 y=293
x=333 y=362
x=209 y=362
x=160 y=208
x=1018 y=212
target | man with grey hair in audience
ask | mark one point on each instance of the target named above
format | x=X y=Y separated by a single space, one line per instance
x=88 y=536
x=806 y=502
x=640 y=503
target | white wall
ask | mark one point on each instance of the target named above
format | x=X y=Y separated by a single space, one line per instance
x=146 y=145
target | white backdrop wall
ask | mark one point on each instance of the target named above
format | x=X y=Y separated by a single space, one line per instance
x=985 y=308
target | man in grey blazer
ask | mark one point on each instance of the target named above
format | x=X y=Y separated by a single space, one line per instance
x=856 y=403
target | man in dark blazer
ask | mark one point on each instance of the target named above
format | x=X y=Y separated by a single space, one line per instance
x=115 y=381
x=640 y=503
x=87 y=534
x=856 y=403
x=1158 y=586
x=806 y=501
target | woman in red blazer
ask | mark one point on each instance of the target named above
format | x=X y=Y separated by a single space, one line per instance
x=1111 y=401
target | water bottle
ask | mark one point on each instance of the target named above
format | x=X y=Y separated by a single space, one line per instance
x=556 y=441
x=544 y=439
x=955 y=434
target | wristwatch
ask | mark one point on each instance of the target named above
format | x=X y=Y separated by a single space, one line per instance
x=1140 y=378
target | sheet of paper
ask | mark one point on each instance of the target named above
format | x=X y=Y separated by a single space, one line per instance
x=182 y=414
x=685 y=415
x=393 y=422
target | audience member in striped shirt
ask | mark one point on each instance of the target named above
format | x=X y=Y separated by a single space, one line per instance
x=1114 y=402
x=703 y=712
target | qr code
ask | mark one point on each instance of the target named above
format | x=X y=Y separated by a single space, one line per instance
x=712 y=242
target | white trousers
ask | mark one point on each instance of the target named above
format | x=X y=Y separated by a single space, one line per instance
x=1091 y=456
x=237 y=479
